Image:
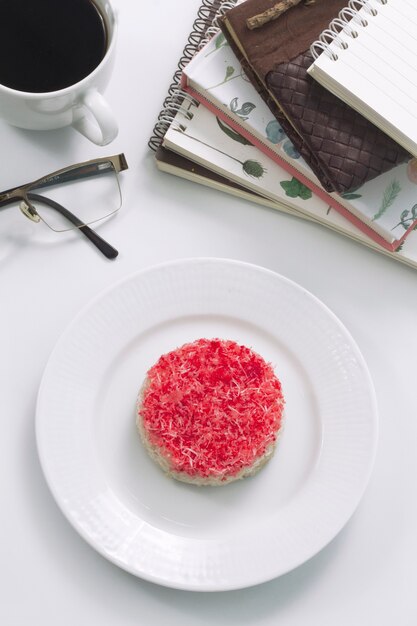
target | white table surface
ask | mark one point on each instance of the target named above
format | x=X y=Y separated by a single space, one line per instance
x=49 y=575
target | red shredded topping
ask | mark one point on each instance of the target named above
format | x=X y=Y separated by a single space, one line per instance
x=212 y=407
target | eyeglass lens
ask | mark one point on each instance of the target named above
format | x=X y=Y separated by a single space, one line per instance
x=91 y=198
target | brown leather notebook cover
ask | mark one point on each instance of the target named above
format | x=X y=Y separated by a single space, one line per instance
x=343 y=149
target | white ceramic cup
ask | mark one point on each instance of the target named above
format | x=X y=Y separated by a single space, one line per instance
x=80 y=105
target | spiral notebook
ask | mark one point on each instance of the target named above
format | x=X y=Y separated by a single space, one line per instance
x=367 y=58
x=204 y=28
x=187 y=141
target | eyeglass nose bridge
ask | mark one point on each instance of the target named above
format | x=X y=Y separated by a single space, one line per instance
x=29 y=210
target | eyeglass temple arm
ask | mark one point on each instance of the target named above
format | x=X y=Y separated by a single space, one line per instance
x=71 y=175
x=102 y=245
x=85 y=171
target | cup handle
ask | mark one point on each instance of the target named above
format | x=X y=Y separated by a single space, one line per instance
x=102 y=129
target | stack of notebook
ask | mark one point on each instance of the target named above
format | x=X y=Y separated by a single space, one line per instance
x=238 y=118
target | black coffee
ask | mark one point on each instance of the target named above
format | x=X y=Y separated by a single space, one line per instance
x=46 y=45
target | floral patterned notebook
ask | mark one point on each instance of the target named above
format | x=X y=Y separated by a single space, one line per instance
x=385 y=208
x=197 y=148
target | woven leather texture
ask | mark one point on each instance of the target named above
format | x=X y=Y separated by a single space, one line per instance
x=343 y=148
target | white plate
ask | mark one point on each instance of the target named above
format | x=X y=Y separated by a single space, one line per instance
x=206 y=538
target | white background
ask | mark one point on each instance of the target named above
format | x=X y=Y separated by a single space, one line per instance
x=49 y=575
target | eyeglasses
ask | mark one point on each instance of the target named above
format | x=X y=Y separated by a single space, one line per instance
x=76 y=197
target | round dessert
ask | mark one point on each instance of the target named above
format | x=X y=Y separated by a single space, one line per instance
x=210 y=412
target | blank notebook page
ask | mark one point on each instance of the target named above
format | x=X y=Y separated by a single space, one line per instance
x=377 y=72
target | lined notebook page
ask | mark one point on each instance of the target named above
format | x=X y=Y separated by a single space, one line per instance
x=377 y=73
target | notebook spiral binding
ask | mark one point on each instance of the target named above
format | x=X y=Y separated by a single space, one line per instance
x=204 y=28
x=348 y=22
